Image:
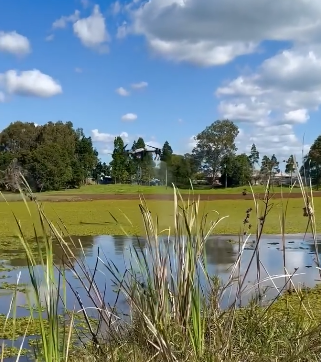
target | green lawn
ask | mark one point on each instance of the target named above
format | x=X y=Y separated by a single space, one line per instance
x=133 y=189
x=93 y=217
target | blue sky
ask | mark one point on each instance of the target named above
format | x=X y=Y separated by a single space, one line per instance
x=182 y=65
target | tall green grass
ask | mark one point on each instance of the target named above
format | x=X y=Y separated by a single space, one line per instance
x=176 y=311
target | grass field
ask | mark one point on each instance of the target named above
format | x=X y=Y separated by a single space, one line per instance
x=94 y=217
x=132 y=189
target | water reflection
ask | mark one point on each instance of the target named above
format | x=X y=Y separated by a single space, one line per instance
x=220 y=252
x=14 y=255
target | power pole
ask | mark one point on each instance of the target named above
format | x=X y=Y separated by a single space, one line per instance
x=166 y=177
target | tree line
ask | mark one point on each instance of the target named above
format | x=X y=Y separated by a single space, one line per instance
x=56 y=156
x=51 y=157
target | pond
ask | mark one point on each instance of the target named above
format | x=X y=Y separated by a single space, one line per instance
x=221 y=253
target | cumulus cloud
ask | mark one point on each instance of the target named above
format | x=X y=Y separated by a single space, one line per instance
x=122 y=92
x=209 y=33
x=267 y=102
x=278 y=139
x=106 y=137
x=62 y=22
x=129 y=117
x=92 y=31
x=281 y=92
x=297 y=116
x=250 y=111
x=116 y=7
x=139 y=85
x=14 y=43
x=122 y=31
x=29 y=83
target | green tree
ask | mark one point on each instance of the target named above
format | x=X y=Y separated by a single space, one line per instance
x=274 y=165
x=50 y=167
x=20 y=137
x=290 y=166
x=163 y=172
x=254 y=156
x=181 y=171
x=86 y=157
x=101 y=169
x=265 y=169
x=119 y=164
x=26 y=143
x=193 y=164
x=212 y=144
x=236 y=170
x=313 y=162
x=143 y=167
x=167 y=153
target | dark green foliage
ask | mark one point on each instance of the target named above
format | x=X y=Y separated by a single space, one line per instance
x=101 y=169
x=142 y=170
x=167 y=153
x=290 y=166
x=274 y=164
x=53 y=156
x=181 y=169
x=119 y=164
x=312 y=163
x=236 y=170
x=269 y=166
x=254 y=156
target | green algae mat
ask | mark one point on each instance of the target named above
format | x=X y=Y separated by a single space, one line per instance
x=117 y=217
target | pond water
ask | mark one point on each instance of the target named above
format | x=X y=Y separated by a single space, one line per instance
x=220 y=251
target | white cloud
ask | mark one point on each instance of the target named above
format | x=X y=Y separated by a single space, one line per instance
x=106 y=137
x=274 y=98
x=214 y=32
x=129 y=117
x=50 y=37
x=122 y=91
x=122 y=31
x=29 y=83
x=78 y=70
x=139 y=85
x=250 y=111
x=278 y=139
x=116 y=7
x=62 y=22
x=106 y=140
x=14 y=43
x=2 y=97
x=297 y=116
x=92 y=31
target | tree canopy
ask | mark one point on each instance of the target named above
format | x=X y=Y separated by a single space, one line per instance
x=213 y=144
x=52 y=156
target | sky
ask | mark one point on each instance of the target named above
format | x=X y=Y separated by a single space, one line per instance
x=165 y=69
